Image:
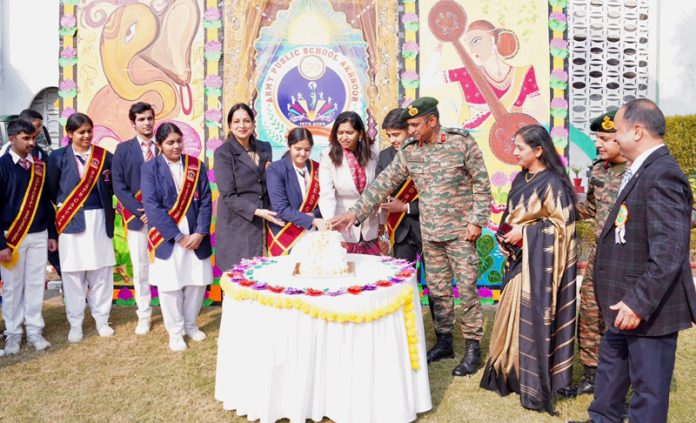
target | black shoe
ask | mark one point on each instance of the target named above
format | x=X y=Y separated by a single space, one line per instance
x=587 y=383
x=442 y=349
x=471 y=361
x=568 y=392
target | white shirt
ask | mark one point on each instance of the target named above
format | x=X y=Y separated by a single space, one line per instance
x=85 y=156
x=177 y=171
x=638 y=162
x=16 y=158
x=301 y=179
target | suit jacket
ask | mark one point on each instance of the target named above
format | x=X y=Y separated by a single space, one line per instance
x=125 y=169
x=242 y=187
x=285 y=194
x=159 y=196
x=650 y=273
x=410 y=223
x=338 y=194
x=63 y=176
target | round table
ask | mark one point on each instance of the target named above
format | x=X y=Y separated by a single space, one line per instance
x=349 y=348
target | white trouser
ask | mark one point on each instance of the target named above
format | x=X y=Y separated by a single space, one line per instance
x=137 y=244
x=23 y=293
x=95 y=286
x=180 y=308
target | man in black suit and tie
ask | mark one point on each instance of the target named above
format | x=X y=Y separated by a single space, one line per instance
x=406 y=241
x=643 y=280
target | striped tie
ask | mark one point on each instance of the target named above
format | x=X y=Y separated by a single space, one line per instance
x=148 y=154
x=25 y=164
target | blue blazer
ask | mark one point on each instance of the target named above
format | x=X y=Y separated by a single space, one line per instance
x=286 y=195
x=14 y=181
x=125 y=169
x=63 y=177
x=159 y=196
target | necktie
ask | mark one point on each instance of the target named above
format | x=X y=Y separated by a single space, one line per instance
x=148 y=153
x=303 y=173
x=25 y=163
x=628 y=174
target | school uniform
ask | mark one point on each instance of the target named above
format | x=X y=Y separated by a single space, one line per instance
x=180 y=275
x=24 y=282
x=127 y=163
x=87 y=253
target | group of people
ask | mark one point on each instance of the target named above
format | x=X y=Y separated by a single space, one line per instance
x=430 y=191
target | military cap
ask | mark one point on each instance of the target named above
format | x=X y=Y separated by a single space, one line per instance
x=419 y=107
x=604 y=123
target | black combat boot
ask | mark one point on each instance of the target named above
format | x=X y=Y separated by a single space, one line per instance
x=442 y=349
x=586 y=385
x=471 y=361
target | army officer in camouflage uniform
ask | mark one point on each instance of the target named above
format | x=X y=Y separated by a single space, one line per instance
x=447 y=168
x=603 y=187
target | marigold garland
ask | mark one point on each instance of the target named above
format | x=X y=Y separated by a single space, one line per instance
x=403 y=300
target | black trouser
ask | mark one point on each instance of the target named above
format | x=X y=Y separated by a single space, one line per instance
x=54 y=259
x=644 y=362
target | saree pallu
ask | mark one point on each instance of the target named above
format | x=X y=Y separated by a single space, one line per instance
x=531 y=349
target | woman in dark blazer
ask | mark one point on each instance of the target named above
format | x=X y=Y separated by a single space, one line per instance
x=293 y=188
x=240 y=172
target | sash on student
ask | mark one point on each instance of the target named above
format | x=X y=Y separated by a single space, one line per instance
x=281 y=243
x=192 y=170
x=30 y=204
x=406 y=194
x=126 y=215
x=72 y=204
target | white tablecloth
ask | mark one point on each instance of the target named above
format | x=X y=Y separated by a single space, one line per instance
x=282 y=363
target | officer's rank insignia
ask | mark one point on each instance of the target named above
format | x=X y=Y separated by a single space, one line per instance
x=620 y=224
x=412 y=111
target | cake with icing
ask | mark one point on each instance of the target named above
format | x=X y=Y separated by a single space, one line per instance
x=321 y=254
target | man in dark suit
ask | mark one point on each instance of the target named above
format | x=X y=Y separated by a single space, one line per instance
x=406 y=238
x=643 y=280
x=127 y=163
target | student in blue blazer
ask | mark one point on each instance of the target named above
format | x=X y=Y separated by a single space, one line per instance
x=179 y=234
x=293 y=188
x=23 y=246
x=128 y=160
x=85 y=223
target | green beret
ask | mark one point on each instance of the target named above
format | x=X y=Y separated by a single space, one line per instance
x=604 y=123
x=419 y=107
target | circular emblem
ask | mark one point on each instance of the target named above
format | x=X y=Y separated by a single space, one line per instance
x=412 y=111
x=621 y=217
x=312 y=68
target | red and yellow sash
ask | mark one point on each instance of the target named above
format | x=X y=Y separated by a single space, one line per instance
x=407 y=194
x=67 y=211
x=126 y=215
x=192 y=170
x=280 y=244
x=30 y=204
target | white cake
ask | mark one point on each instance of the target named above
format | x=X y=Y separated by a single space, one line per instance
x=321 y=254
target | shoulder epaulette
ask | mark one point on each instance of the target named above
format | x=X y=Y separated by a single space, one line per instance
x=409 y=140
x=460 y=131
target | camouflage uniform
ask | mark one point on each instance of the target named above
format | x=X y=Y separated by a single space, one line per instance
x=454 y=190
x=605 y=180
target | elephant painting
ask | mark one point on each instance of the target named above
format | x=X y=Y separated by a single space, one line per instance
x=145 y=52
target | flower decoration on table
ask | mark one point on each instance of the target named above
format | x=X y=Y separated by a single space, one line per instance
x=243 y=275
x=404 y=300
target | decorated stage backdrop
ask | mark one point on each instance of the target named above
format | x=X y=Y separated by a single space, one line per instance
x=302 y=62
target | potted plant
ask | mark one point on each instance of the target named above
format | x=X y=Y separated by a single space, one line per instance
x=577 y=181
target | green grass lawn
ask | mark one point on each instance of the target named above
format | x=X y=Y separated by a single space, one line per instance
x=129 y=378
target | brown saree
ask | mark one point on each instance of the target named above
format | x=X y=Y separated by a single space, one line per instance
x=531 y=349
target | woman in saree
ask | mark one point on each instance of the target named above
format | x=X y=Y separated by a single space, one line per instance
x=531 y=349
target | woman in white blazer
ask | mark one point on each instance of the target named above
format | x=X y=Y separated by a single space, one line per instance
x=347 y=167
